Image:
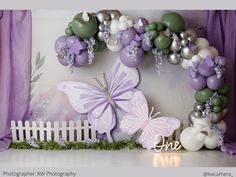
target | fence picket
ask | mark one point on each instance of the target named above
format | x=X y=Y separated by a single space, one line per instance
x=64 y=130
x=71 y=131
x=41 y=131
x=93 y=134
x=56 y=131
x=27 y=130
x=79 y=133
x=86 y=130
x=20 y=131
x=49 y=131
x=13 y=131
x=34 y=130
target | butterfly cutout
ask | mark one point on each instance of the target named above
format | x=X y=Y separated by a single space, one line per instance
x=152 y=128
x=100 y=103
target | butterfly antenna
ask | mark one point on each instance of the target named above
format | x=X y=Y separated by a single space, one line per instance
x=99 y=83
x=152 y=109
x=105 y=80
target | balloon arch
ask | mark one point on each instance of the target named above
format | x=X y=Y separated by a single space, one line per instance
x=167 y=39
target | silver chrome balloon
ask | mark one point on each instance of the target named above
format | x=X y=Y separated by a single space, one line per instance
x=106 y=23
x=184 y=42
x=186 y=53
x=183 y=35
x=174 y=58
x=103 y=16
x=194 y=115
x=198 y=107
x=225 y=112
x=115 y=14
x=175 y=45
x=191 y=33
x=100 y=36
x=215 y=117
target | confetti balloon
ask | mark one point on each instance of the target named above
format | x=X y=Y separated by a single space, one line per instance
x=140 y=24
x=132 y=58
x=81 y=59
x=127 y=36
x=198 y=82
x=60 y=43
x=214 y=82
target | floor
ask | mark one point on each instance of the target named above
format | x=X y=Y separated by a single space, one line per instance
x=123 y=158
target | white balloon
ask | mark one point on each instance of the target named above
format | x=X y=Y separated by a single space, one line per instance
x=222 y=126
x=205 y=52
x=214 y=51
x=130 y=23
x=114 y=26
x=123 y=18
x=194 y=59
x=113 y=44
x=123 y=26
x=202 y=43
x=211 y=141
x=185 y=64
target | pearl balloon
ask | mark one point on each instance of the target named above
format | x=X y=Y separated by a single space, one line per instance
x=202 y=43
x=195 y=59
x=205 y=52
x=222 y=126
x=185 y=64
x=114 y=26
x=214 y=51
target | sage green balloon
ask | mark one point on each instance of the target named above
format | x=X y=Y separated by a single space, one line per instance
x=173 y=21
x=216 y=101
x=101 y=45
x=69 y=31
x=225 y=101
x=84 y=29
x=162 y=41
x=203 y=95
x=217 y=109
x=153 y=33
x=224 y=90
x=160 y=27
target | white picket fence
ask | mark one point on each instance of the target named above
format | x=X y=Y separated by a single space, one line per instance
x=73 y=131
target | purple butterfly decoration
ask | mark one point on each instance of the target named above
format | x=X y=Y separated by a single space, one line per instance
x=100 y=103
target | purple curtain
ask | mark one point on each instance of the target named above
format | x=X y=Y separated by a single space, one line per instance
x=221 y=33
x=15 y=69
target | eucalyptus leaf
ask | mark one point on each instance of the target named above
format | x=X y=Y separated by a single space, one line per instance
x=41 y=62
x=37 y=59
x=37 y=77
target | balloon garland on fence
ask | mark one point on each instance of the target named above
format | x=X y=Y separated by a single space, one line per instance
x=167 y=39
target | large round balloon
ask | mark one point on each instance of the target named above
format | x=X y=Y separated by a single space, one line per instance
x=203 y=95
x=198 y=82
x=214 y=82
x=127 y=36
x=130 y=59
x=173 y=21
x=83 y=28
x=140 y=24
x=205 y=69
x=60 y=43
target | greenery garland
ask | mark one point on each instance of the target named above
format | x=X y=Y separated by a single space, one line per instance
x=102 y=145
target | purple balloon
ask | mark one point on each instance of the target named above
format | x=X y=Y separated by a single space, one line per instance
x=130 y=59
x=60 y=43
x=140 y=28
x=198 y=82
x=127 y=36
x=146 y=45
x=74 y=45
x=63 y=61
x=215 y=83
x=205 y=70
x=221 y=61
x=81 y=59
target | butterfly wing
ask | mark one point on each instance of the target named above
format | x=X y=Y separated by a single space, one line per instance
x=121 y=84
x=83 y=97
x=164 y=126
x=137 y=115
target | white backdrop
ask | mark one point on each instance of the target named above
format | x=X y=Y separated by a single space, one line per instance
x=169 y=92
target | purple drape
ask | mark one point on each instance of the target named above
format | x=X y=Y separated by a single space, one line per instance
x=15 y=69
x=221 y=33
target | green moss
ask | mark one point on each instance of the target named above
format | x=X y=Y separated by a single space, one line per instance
x=102 y=145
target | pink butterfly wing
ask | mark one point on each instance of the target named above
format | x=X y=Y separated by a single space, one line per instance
x=122 y=82
x=137 y=115
x=164 y=126
x=83 y=97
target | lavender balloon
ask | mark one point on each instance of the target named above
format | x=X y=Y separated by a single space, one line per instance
x=198 y=82
x=75 y=46
x=81 y=59
x=140 y=24
x=205 y=70
x=60 y=43
x=63 y=61
x=215 y=83
x=127 y=36
x=146 y=44
x=132 y=58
